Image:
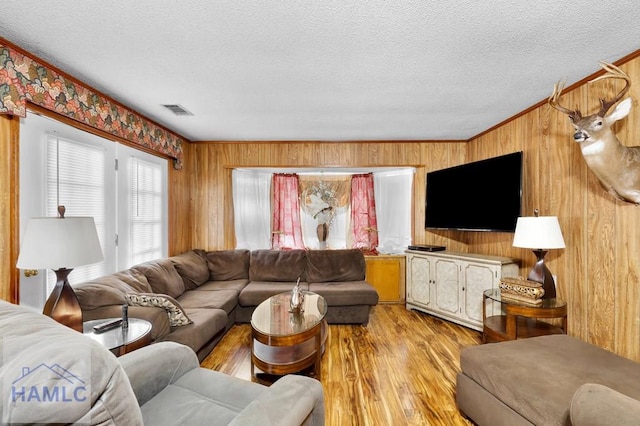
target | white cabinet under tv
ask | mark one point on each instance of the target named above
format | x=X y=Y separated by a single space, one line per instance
x=449 y=285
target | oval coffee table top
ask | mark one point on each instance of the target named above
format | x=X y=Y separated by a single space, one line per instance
x=272 y=316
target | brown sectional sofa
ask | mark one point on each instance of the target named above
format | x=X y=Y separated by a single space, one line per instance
x=216 y=289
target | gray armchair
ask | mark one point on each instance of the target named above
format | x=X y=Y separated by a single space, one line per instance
x=172 y=389
x=50 y=373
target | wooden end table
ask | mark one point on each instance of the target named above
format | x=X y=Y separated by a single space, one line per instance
x=507 y=319
x=283 y=342
x=119 y=340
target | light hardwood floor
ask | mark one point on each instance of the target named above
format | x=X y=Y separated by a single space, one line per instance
x=399 y=370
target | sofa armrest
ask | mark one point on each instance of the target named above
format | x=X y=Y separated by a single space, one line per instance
x=151 y=368
x=292 y=400
x=593 y=404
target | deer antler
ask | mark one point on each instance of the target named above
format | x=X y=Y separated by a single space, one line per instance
x=612 y=72
x=574 y=115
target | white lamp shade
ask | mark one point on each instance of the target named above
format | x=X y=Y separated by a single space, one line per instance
x=538 y=233
x=54 y=243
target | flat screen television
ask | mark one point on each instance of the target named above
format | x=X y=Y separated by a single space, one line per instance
x=480 y=196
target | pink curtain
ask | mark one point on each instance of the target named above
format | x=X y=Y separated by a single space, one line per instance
x=363 y=212
x=286 y=227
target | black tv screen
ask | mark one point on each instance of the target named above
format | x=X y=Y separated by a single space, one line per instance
x=480 y=196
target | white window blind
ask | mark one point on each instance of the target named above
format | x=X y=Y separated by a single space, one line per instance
x=61 y=165
x=75 y=179
x=145 y=217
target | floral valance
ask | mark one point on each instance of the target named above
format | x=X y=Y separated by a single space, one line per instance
x=23 y=79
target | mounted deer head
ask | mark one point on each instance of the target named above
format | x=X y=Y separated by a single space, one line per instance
x=616 y=166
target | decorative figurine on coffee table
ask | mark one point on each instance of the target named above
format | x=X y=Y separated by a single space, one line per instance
x=297 y=299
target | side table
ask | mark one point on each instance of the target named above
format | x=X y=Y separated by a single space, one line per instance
x=507 y=319
x=120 y=340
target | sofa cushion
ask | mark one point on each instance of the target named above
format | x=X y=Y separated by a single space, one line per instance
x=257 y=292
x=346 y=293
x=207 y=323
x=192 y=267
x=236 y=285
x=277 y=265
x=135 y=279
x=103 y=291
x=162 y=276
x=204 y=397
x=177 y=316
x=335 y=265
x=226 y=265
x=221 y=299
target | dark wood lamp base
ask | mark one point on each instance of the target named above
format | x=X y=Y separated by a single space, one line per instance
x=62 y=305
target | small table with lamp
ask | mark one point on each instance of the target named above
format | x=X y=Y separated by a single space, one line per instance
x=507 y=319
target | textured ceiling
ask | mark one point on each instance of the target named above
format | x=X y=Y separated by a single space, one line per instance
x=325 y=69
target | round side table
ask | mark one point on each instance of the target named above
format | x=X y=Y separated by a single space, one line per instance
x=507 y=319
x=120 y=340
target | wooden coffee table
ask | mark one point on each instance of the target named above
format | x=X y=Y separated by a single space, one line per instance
x=283 y=342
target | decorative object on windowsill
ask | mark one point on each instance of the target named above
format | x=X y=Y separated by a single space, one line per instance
x=296 y=304
x=319 y=201
x=60 y=244
x=521 y=290
x=540 y=233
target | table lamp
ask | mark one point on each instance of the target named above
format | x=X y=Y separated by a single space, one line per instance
x=539 y=233
x=60 y=244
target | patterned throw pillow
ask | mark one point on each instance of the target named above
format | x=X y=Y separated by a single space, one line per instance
x=177 y=316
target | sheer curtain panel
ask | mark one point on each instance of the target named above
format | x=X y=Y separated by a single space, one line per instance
x=252 y=208
x=393 y=208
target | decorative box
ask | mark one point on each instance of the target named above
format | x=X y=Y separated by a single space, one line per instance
x=522 y=290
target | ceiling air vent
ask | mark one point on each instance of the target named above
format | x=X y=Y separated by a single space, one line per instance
x=178 y=109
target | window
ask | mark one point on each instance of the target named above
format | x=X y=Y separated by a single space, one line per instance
x=122 y=188
x=142 y=231
x=76 y=179
x=393 y=188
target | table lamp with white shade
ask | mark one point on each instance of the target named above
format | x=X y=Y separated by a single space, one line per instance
x=60 y=243
x=540 y=233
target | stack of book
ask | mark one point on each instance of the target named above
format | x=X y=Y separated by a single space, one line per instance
x=521 y=290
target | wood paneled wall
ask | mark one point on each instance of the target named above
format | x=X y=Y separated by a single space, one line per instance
x=598 y=273
x=9 y=207
x=209 y=166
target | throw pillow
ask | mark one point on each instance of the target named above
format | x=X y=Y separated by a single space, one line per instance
x=177 y=316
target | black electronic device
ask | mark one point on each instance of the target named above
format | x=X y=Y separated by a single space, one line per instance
x=479 y=196
x=105 y=326
x=426 y=247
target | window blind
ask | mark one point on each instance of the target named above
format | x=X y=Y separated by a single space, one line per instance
x=145 y=211
x=76 y=179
